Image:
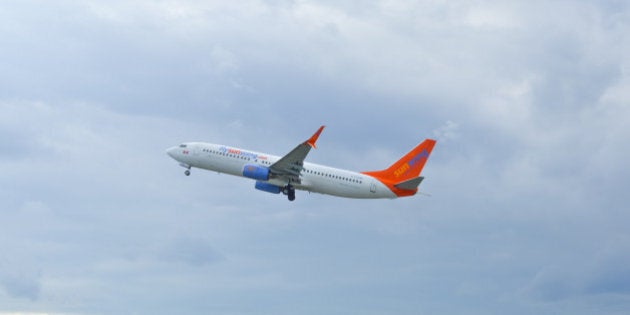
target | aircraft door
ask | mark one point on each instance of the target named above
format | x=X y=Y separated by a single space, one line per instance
x=373 y=187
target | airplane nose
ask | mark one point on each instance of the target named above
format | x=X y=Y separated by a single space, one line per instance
x=171 y=151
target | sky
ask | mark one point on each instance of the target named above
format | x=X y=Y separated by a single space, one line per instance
x=524 y=207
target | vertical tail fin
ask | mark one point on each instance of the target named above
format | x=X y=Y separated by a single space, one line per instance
x=406 y=169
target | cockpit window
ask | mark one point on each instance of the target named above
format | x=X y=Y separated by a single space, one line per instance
x=182 y=145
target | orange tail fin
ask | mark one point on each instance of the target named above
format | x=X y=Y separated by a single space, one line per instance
x=406 y=169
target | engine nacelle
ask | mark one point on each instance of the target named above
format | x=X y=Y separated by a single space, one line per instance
x=268 y=187
x=256 y=172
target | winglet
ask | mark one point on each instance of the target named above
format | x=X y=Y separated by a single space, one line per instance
x=311 y=141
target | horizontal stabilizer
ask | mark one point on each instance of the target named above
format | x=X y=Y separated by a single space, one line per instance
x=411 y=184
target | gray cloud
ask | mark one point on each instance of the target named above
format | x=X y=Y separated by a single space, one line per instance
x=527 y=214
x=600 y=274
x=21 y=286
x=191 y=251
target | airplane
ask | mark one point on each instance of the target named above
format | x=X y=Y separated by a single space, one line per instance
x=286 y=174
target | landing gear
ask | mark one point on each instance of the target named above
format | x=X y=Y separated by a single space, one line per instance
x=187 y=167
x=290 y=192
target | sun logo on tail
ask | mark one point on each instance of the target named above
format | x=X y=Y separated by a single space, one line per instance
x=403 y=169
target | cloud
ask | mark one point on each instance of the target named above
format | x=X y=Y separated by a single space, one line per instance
x=449 y=131
x=528 y=102
x=21 y=286
x=603 y=273
x=195 y=252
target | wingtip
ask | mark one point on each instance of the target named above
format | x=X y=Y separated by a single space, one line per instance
x=311 y=141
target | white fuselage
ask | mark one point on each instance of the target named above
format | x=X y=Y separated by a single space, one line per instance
x=314 y=177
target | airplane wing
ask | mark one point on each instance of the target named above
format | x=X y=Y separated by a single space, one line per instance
x=290 y=166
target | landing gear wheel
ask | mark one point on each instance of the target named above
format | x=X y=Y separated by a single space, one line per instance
x=291 y=193
x=187 y=173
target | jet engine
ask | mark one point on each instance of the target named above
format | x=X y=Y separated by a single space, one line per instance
x=268 y=187
x=256 y=172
